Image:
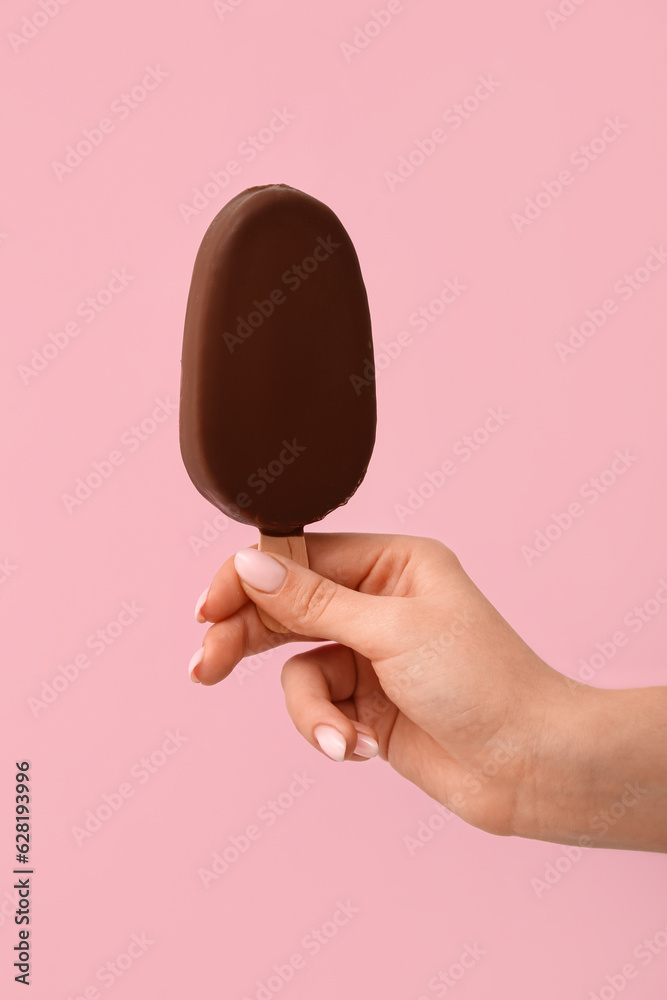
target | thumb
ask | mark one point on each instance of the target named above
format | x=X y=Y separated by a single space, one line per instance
x=313 y=605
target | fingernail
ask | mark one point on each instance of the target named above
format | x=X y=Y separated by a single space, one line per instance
x=194 y=662
x=259 y=570
x=331 y=742
x=199 y=605
x=366 y=746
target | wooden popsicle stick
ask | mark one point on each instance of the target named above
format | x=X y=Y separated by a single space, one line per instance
x=292 y=546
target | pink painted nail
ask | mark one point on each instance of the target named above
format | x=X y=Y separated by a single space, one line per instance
x=259 y=570
x=366 y=746
x=194 y=663
x=331 y=742
x=199 y=605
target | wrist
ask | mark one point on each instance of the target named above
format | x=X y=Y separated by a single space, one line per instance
x=598 y=770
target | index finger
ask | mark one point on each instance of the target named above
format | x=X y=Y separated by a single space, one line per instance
x=356 y=561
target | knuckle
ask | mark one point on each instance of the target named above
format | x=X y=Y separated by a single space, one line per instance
x=315 y=599
x=448 y=556
x=427 y=546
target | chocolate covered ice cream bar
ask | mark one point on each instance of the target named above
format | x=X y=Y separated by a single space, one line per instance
x=274 y=428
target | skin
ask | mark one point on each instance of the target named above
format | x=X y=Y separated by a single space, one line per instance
x=420 y=660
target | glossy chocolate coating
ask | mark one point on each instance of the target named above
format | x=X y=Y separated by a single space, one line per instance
x=277 y=412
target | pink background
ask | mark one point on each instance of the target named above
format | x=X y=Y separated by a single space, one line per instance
x=67 y=574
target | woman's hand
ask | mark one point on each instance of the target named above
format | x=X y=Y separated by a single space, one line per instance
x=426 y=672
